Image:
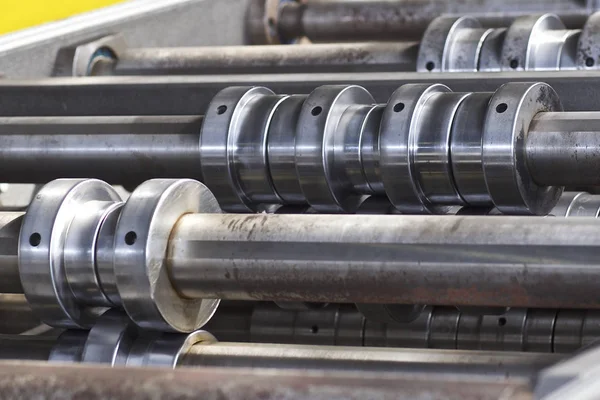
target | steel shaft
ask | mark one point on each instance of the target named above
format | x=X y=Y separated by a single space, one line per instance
x=126 y=150
x=564 y=148
x=191 y=95
x=342 y=20
x=355 y=57
x=493 y=261
x=43 y=380
x=489 y=364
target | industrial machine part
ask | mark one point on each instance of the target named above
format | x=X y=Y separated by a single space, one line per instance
x=189 y=95
x=534 y=42
x=170 y=251
x=450 y=44
x=284 y=21
x=112 y=341
x=518 y=329
x=513 y=149
x=43 y=380
x=350 y=57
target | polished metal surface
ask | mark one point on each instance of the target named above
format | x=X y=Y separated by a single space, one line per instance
x=110 y=339
x=493 y=366
x=564 y=142
x=42 y=239
x=317 y=140
x=512 y=261
x=504 y=138
x=126 y=150
x=233 y=147
x=254 y=149
x=142 y=236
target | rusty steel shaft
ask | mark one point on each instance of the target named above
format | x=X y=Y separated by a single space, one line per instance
x=438 y=260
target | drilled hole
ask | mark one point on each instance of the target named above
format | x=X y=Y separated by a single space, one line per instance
x=35 y=239
x=589 y=62
x=221 y=109
x=500 y=108
x=398 y=107
x=430 y=66
x=314 y=329
x=130 y=238
x=514 y=64
x=501 y=321
x=316 y=111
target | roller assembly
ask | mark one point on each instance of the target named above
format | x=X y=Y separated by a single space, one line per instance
x=513 y=149
x=537 y=42
x=164 y=255
x=385 y=199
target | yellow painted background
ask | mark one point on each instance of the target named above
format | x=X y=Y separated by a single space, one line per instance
x=21 y=14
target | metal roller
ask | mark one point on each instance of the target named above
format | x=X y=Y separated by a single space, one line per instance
x=517 y=329
x=536 y=42
x=354 y=57
x=173 y=252
x=282 y=21
x=112 y=342
x=254 y=148
x=529 y=43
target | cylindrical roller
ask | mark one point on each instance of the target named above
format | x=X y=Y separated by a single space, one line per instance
x=342 y=20
x=466 y=260
x=125 y=150
x=515 y=329
x=191 y=95
x=489 y=364
x=564 y=148
x=42 y=380
x=351 y=57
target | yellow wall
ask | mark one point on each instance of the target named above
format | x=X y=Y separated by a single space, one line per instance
x=20 y=14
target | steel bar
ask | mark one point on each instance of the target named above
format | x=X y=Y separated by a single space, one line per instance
x=449 y=44
x=42 y=380
x=111 y=341
x=126 y=150
x=342 y=20
x=355 y=57
x=190 y=95
x=492 y=365
x=492 y=261
x=564 y=148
